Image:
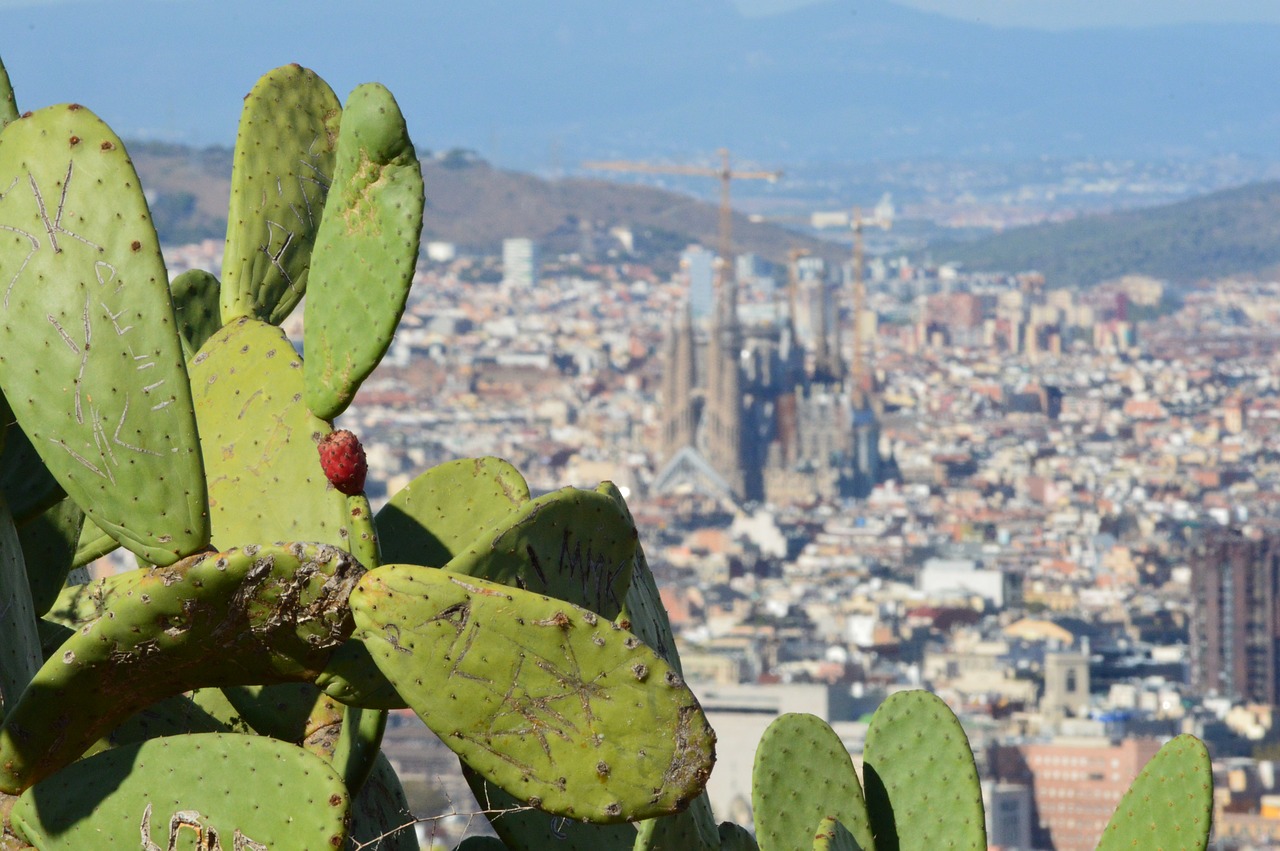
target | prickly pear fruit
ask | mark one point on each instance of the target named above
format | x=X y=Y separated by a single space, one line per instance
x=342 y=459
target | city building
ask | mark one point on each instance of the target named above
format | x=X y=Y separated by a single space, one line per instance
x=519 y=262
x=1235 y=625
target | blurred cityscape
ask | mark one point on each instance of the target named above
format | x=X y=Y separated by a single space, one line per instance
x=1056 y=509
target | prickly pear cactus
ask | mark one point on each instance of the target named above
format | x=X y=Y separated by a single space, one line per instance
x=220 y=790
x=281 y=173
x=8 y=104
x=571 y=544
x=365 y=251
x=1170 y=804
x=447 y=508
x=253 y=615
x=195 y=296
x=20 y=656
x=543 y=698
x=108 y=407
x=265 y=481
x=49 y=543
x=922 y=786
x=802 y=774
x=735 y=837
x=833 y=836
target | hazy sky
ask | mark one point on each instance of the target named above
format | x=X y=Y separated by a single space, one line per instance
x=1038 y=14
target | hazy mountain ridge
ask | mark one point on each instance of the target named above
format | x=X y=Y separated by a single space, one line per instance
x=473 y=204
x=1232 y=232
x=476 y=206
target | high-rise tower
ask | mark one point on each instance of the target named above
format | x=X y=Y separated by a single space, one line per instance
x=1235 y=620
x=863 y=472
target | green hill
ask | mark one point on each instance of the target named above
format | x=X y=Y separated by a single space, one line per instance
x=1232 y=232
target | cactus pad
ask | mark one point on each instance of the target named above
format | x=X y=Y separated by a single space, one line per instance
x=280 y=175
x=254 y=615
x=380 y=815
x=49 y=544
x=735 y=837
x=802 y=774
x=20 y=655
x=921 y=782
x=555 y=704
x=447 y=508
x=8 y=104
x=195 y=305
x=265 y=481
x=108 y=407
x=365 y=250
x=519 y=827
x=834 y=836
x=1170 y=804
x=24 y=479
x=222 y=790
x=572 y=544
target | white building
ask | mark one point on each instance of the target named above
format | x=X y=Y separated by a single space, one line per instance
x=519 y=262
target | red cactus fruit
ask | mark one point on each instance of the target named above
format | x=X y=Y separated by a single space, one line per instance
x=342 y=459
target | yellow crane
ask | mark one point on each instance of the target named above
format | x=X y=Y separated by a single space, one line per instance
x=725 y=173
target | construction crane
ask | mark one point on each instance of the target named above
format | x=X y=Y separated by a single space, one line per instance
x=726 y=175
x=884 y=219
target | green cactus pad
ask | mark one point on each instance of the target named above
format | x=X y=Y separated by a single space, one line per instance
x=555 y=704
x=49 y=544
x=802 y=774
x=284 y=711
x=447 y=508
x=8 y=104
x=220 y=790
x=362 y=533
x=358 y=745
x=921 y=782
x=572 y=544
x=686 y=831
x=642 y=611
x=195 y=305
x=1170 y=804
x=259 y=441
x=834 y=836
x=280 y=176
x=519 y=827
x=253 y=615
x=81 y=265
x=353 y=678
x=365 y=250
x=20 y=655
x=735 y=837
x=643 y=614
x=92 y=545
x=380 y=815
x=178 y=715
x=24 y=479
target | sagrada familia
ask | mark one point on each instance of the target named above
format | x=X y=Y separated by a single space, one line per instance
x=760 y=417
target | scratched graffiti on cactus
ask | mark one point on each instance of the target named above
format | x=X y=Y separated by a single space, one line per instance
x=206 y=836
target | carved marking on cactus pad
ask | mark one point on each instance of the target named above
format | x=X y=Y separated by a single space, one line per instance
x=206 y=837
x=54 y=227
